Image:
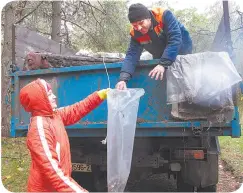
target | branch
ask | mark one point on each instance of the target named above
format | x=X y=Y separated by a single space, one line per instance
x=93 y=7
x=101 y=6
x=77 y=8
x=88 y=33
x=92 y=12
x=29 y=13
x=239 y=12
x=105 y=15
x=236 y=29
x=67 y=33
x=20 y=7
x=204 y=34
x=66 y=28
x=84 y=10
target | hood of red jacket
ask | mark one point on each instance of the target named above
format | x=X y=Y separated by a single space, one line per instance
x=33 y=97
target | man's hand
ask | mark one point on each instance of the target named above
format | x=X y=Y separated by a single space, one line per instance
x=121 y=85
x=157 y=72
x=103 y=93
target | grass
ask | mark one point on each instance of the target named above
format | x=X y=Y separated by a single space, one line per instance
x=232 y=155
x=15 y=164
x=232 y=148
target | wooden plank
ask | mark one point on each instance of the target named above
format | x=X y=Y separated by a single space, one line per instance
x=58 y=60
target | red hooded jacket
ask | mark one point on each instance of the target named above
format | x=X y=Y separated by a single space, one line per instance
x=47 y=139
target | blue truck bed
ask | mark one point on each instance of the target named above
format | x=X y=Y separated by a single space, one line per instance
x=71 y=84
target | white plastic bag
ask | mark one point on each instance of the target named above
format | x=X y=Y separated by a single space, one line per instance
x=122 y=117
x=197 y=78
x=146 y=56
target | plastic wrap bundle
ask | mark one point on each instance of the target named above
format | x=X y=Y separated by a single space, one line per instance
x=202 y=85
x=201 y=78
x=122 y=117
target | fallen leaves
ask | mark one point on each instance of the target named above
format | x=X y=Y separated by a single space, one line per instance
x=20 y=169
x=6 y=177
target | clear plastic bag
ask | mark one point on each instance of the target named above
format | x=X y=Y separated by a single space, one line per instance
x=197 y=78
x=122 y=117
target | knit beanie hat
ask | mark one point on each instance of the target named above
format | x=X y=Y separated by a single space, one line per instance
x=138 y=12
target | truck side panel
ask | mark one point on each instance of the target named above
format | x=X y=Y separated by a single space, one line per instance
x=71 y=84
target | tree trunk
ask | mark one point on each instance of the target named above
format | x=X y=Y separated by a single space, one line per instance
x=6 y=60
x=56 y=21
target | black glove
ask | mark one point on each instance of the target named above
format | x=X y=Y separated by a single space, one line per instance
x=125 y=76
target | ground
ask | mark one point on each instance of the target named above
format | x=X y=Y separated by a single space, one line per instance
x=232 y=155
x=16 y=161
x=227 y=181
x=15 y=164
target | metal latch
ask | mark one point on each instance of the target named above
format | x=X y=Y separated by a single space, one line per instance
x=197 y=130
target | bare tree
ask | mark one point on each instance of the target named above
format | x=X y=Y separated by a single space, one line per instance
x=56 y=21
x=27 y=14
x=9 y=20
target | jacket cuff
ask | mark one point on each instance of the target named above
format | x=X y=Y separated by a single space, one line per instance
x=165 y=62
x=125 y=76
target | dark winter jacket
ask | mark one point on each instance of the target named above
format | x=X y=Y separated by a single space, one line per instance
x=165 y=40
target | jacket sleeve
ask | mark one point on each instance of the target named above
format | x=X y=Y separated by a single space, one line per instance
x=73 y=113
x=174 y=37
x=41 y=143
x=131 y=60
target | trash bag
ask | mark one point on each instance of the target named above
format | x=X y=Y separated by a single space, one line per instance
x=202 y=77
x=122 y=117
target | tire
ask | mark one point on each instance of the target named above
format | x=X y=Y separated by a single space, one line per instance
x=212 y=188
x=182 y=186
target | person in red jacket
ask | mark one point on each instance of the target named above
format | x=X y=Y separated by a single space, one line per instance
x=47 y=139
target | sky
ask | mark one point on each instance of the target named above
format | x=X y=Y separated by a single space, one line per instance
x=201 y=5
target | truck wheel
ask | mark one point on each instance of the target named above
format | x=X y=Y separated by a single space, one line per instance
x=183 y=186
x=212 y=188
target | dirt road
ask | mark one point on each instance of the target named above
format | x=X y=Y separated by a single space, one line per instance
x=227 y=182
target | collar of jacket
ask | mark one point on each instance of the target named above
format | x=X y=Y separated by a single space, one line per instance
x=153 y=21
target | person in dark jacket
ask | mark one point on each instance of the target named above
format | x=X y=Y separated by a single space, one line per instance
x=160 y=33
